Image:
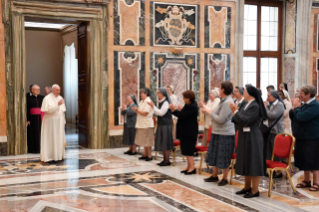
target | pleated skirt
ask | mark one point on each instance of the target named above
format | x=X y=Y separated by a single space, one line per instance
x=164 y=138
x=129 y=135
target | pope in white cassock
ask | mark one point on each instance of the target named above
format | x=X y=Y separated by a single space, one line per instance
x=53 y=132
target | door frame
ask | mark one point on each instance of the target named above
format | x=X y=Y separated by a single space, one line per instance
x=95 y=15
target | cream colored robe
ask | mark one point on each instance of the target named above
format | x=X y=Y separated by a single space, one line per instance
x=53 y=129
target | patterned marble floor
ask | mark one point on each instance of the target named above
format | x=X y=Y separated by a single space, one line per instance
x=108 y=180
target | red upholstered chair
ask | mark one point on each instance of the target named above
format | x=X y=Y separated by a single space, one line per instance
x=202 y=150
x=283 y=147
x=233 y=160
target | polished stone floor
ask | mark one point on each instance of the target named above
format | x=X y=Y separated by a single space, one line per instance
x=108 y=180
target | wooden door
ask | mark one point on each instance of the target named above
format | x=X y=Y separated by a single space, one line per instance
x=83 y=85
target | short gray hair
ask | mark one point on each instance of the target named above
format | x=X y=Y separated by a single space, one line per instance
x=309 y=89
x=35 y=85
x=48 y=87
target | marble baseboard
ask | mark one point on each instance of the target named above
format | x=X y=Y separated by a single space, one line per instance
x=3 y=149
x=116 y=141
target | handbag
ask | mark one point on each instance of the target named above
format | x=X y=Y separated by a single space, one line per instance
x=265 y=130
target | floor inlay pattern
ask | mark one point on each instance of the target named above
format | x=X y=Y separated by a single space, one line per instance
x=145 y=188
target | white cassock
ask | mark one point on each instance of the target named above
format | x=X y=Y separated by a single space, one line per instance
x=52 y=131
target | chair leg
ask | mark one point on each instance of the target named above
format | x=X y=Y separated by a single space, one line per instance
x=292 y=185
x=201 y=162
x=292 y=170
x=231 y=172
x=174 y=156
x=270 y=183
x=155 y=155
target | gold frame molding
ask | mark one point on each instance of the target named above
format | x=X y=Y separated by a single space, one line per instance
x=96 y=16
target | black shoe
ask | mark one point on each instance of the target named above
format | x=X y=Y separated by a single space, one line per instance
x=128 y=152
x=251 y=195
x=160 y=163
x=143 y=158
x=192 y=172
x=277 y=176
x=165 y=164
x=184 y=171
x=243 y=191
x=223 y=182
x=149 y=159
x=211 y=179
x=132 y=153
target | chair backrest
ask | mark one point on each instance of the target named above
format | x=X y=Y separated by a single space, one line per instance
x=236 y=140
x=283 y=145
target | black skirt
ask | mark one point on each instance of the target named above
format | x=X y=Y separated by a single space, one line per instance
x=188 y=146
x=129 y=135
x=307 y=154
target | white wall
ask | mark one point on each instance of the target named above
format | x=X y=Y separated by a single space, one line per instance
x=44 y=59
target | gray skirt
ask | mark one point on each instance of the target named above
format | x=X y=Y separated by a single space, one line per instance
x=129 y=135
x=164 y=138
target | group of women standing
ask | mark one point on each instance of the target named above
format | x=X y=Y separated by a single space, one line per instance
x=139 y=124
x=223 y=115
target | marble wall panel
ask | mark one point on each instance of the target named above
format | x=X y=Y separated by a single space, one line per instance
x=181 y=71
x=174 y=24
x=217 y=27
x=290 y=26
x=289 y=74
x=129 y=77
x=3 y=97
x=217 y=70
x=315 y=33
x=315 y=73
x=129 y=22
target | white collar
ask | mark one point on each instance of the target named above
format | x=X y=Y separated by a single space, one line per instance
x=249 y=103
x=311 y=100
x=275 y=102
x=242 y=99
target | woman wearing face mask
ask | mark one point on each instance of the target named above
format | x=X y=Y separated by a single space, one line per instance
x=283 y=86
x=164 y=137
x=286 y=121
x=129 y=124
x=145 y=125
x=275 y=111
x=212 y=103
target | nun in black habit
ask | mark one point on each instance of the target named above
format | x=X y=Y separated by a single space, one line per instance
x=250 y=150
x=164 y=133
x=129 y=117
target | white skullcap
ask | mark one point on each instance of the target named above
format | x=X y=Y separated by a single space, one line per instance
x=55 y=85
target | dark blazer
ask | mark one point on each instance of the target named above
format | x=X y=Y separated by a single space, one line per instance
x=187 y=125
x=305 y=121
x=130 y=116
x=241 y=107
x=250 y=150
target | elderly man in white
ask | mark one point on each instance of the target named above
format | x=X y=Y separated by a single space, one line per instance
x=53 y=132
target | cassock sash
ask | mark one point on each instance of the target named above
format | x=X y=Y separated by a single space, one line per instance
x=37 y=111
